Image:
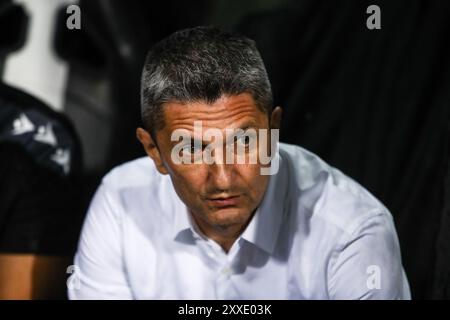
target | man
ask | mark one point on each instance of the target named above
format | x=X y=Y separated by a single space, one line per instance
x=188 y=223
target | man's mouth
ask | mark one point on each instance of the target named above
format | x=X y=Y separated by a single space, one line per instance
x=224 y=201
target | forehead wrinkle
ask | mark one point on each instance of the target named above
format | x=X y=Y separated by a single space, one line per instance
x=207 y=114
x=226 y=110
x=239 y=121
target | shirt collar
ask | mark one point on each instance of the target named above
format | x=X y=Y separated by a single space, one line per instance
x=182 y=220
x=265 y=225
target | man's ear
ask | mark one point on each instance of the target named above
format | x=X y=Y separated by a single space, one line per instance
x=275 y=118
x=151 y=149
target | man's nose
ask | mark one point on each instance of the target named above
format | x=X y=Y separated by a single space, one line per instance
x=221 y=176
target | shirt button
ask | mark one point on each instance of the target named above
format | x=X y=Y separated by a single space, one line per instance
x=227 y=271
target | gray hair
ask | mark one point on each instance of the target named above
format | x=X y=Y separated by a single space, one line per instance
x=201 y=64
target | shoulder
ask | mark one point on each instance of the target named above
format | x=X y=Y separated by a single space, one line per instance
x=46 y=136
x=131 y=174
x=121 y=188
x=340 y=223
x=329 y=196
x=137 y=189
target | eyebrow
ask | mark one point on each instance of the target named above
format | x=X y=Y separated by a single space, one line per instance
x=245 y=126
x=249 y=124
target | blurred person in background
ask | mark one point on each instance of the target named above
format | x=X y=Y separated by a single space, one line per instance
x=39 y=202
x=40 y=158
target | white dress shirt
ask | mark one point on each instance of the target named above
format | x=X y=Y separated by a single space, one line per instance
x=316 y=235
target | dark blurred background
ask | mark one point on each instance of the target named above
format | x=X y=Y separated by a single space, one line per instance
x=373 y=103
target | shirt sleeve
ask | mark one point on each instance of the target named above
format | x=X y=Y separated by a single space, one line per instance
x=39 y=209
x=99 y=272
x=368 y=264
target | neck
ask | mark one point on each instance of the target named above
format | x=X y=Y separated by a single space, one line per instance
x=224 y=236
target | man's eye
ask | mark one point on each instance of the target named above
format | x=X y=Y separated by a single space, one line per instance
x=191 y=149
x=244 y=140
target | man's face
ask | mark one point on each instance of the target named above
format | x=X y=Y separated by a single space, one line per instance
x=218 y=195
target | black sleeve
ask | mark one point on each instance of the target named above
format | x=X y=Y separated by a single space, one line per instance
x=40 y=158
x=39 y=211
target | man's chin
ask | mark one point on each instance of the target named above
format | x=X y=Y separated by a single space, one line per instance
x=228 y=216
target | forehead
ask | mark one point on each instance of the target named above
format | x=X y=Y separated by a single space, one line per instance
x=226 y=112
